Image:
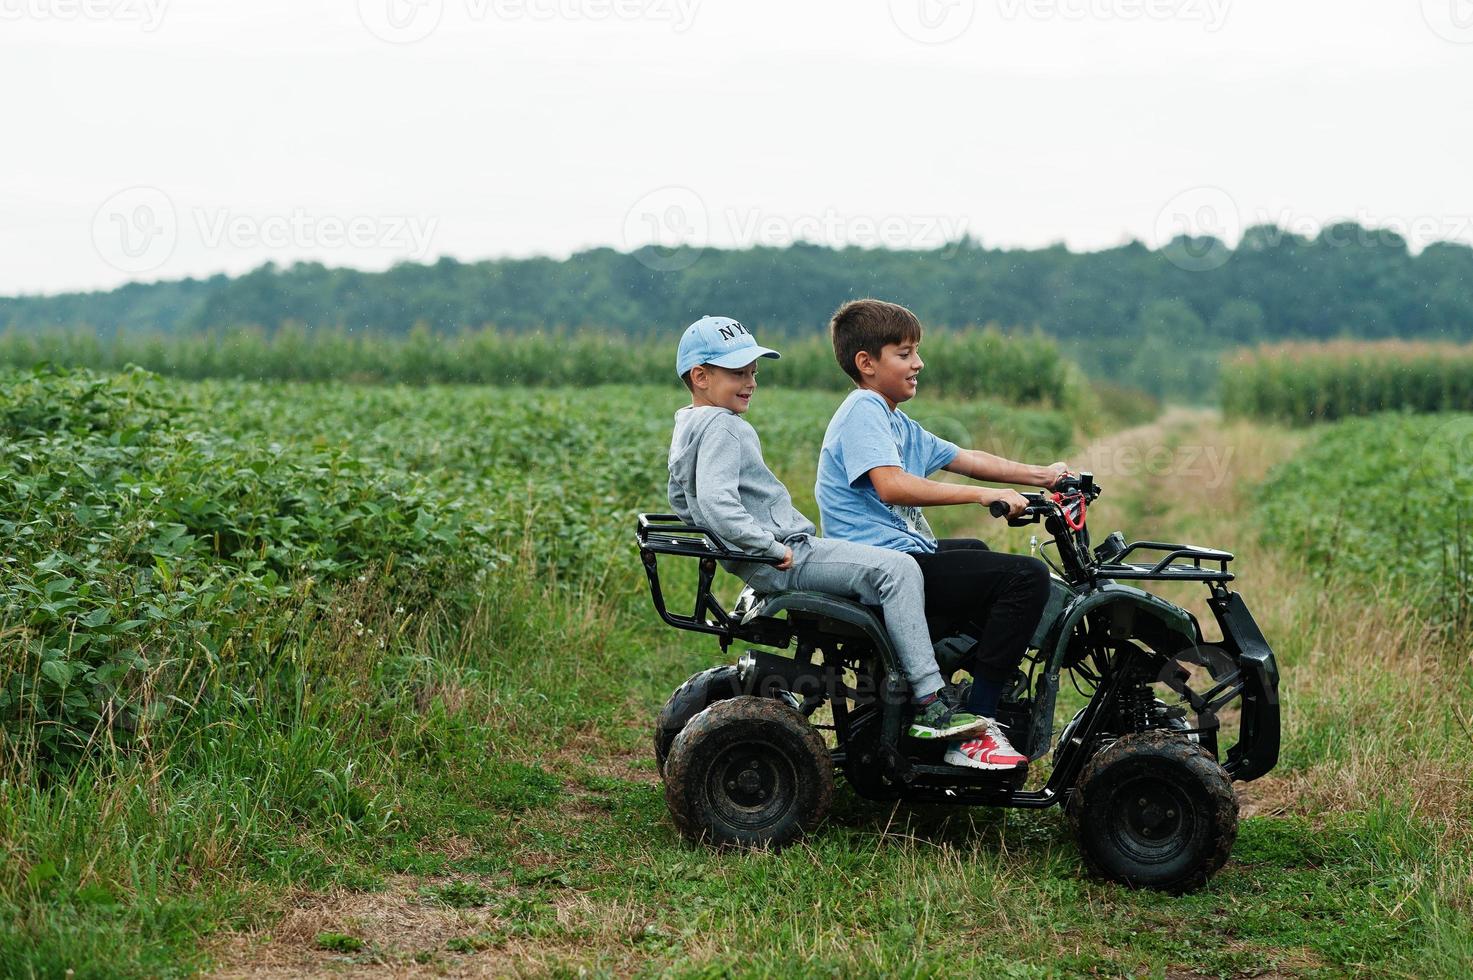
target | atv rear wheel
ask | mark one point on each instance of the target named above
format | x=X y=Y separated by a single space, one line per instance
x=748 y=772
x=1154 y=810
x=698 y=693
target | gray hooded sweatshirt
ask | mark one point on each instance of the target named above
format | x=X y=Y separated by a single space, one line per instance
x=719 y=481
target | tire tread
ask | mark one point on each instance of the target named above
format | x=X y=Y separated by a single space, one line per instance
x=1197 y=760
x=682 y=785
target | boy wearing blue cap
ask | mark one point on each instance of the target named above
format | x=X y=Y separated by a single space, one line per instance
x=719 y=481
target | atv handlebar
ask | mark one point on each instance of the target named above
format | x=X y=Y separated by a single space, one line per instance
x=1000 y=508
x=1044 y=504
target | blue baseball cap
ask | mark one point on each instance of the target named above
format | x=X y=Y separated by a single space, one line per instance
x=718 y=340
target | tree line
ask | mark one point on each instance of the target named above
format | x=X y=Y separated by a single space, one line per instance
x=1157 y=318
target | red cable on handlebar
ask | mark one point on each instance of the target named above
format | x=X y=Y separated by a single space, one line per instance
x=1059 y=499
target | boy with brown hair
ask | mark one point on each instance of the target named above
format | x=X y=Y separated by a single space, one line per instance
x=873 y=481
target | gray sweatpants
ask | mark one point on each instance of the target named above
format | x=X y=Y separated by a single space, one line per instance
x=874 y=576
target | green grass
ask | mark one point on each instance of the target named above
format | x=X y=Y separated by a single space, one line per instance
x=1384 y=502
x=486 y=775
x=341 y=684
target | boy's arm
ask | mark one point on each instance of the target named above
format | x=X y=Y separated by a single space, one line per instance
x=895 y=486
x=978 y=465
x=718 y=472
x=675 y=493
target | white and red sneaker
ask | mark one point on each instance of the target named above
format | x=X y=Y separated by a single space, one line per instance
x=991 y=751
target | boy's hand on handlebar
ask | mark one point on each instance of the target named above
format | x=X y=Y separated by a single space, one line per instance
x=1057 y=472
x=787 y=561
x=1014 y=501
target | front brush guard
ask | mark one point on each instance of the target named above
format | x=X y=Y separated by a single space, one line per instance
x=1257 y=678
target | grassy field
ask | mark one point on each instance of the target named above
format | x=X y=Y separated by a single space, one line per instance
x=461 y=784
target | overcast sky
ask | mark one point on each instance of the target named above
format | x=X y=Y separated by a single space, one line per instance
x=157 y=139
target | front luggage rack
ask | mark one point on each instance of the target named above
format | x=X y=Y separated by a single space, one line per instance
x=1169 y=568
x=667 y=534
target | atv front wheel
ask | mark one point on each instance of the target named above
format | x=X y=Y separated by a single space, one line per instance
x=698 y=693
x=1154 y=810
x=748 y=772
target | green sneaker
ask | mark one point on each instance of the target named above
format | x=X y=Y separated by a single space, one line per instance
x=940 y=720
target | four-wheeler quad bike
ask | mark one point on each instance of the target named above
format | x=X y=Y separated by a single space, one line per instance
x=1147 y=792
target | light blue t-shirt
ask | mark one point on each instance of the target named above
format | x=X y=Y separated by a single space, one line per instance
x=865 y=433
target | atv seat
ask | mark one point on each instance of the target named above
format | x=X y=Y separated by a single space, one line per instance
x=845 y=617
x=833 y=612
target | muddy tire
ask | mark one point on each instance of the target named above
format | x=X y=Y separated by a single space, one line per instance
x=748 y=772
x=698 y=693
x=1154 y=810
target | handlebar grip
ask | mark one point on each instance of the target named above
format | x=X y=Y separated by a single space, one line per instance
x=998 y=508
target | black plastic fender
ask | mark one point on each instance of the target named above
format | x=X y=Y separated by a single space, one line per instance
x=1060 y=594
x=1138 y=612
x=835 y=617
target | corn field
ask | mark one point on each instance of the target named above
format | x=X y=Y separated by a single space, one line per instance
x=1304 y=383
x=962 y=364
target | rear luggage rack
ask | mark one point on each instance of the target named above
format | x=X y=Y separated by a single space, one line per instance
x=667 y=534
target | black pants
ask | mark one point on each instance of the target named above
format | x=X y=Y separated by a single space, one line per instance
x=1000 y=596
